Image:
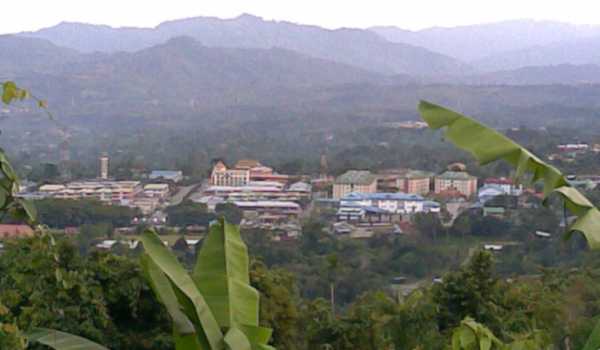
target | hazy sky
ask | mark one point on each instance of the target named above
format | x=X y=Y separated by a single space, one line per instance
x=412 y=14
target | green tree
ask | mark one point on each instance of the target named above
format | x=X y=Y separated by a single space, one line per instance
x=472 y=291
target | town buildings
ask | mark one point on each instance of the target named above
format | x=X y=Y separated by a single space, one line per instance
x=243 y=172
x=358 y=206
x=459 y=181
x=405 y=180
x=263 y=195
x=112 y=192
x=222 y=176
x=507 y=186
x=354 y=181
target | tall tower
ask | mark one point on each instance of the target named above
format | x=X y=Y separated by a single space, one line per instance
x=323 y=166
x=104 y=166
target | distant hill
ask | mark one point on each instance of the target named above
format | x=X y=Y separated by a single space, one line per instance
x=360 y=48
x=579 y=52
x=27 y=54
x=183 y=72
x=568 y=74
x=475 y=42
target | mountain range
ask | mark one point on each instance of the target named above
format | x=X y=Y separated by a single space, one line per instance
x=360 y=48
x=202 y=66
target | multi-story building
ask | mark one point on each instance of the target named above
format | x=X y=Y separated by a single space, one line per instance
x=222 y=176
x=394 y=203
x=160 y=191
x=416 y=182
x=356 y=206
x=354 y=181
x=405 y=180
x=279 y=209
x=458 y=181
x=113 y=192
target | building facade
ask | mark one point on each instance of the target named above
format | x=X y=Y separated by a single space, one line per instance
x=222 y=176
x=456 y=180
x=354 y=181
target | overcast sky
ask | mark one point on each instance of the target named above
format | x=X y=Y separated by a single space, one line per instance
x=23 y=15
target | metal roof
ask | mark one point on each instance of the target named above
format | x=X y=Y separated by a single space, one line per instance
x=398 y=196
x=455 y=175
x=356 y=177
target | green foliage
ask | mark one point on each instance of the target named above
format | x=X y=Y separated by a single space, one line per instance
x=215 y=307
x=471 y=335
x=487 y=145
x=61 y=213
x=472 y=291
x=278 y=305
x=230 y=212
x=189 y=213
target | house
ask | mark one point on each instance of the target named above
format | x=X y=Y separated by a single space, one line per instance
x=147 y=205
x=487 y=192
x=508 y=186
x=273 y=208
x=15 y=231
x=300 y=187
x=168 y=175
x=354 y=181
x=457 y=180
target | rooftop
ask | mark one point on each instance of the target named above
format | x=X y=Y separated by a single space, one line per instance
x=455 y=175
x=355 y=177
x=165 y=173
x=418 y=174
x=247 y=164
x=398 y=196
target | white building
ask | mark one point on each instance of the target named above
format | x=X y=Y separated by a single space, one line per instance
x=393 y=203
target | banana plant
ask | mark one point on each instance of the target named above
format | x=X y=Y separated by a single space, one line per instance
x=214 y=307
x=488 y=145
x=60 y=340
x=471 y=335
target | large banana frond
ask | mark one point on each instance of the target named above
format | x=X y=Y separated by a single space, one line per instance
x=488 y=145
x=191 y=302
x=222 y=276
x=60 y=340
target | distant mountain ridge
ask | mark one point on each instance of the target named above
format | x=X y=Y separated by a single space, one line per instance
x=476 y=42
x=357 y=47
x=583 y=51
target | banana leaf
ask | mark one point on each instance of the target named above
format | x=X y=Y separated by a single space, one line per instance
x=222 y=276
x=593 y=342
x=184 y=331
x=488 y=145
x=60 y=340
x=191 y=301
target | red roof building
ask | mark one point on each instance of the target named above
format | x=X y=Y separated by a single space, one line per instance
x=15 y=231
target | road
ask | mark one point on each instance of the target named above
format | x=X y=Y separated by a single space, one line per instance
x=182 y=194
